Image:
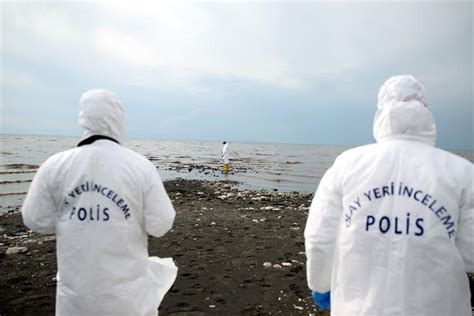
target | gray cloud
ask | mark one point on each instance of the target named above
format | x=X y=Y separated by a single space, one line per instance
x=328 y=54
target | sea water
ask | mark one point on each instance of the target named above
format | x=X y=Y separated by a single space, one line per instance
x=282 y=167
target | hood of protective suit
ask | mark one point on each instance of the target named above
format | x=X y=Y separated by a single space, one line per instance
x=101 y=113
x=402 y=112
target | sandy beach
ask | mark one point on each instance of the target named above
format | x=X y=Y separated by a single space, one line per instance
x=220 y=242
x=238 y=252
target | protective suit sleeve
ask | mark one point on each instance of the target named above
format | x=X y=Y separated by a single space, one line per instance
x=321 y=232
x=159 y=212
x=465 y=234
x=39 y=211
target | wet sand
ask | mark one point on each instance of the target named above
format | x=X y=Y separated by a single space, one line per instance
x=220 y=241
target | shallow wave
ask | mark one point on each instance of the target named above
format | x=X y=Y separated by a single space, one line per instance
x=14 y=181
x=13 y=193
x=17 y=171
x=20 y=166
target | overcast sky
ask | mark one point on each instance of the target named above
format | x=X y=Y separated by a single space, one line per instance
x=264 y=72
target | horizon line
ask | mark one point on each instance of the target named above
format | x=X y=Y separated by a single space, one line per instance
x=214 y=140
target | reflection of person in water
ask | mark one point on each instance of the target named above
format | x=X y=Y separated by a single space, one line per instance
x=225 y=157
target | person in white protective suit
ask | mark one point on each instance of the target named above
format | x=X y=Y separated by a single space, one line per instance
x=390 y=230
x=101 y=200
x=225 y=157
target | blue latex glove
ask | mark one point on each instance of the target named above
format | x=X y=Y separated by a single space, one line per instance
x=322 y=300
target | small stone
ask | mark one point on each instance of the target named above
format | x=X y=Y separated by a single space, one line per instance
x=50 y=238
x=16 y=250
x=299 y=308
x=213 y=224
x=212 y=306
x=200 y=193
x=267 y=264
x=286 y=264
x=277 y=266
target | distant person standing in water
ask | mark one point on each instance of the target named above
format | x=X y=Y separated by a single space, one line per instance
x=390 y=230
x=101 y=200
x=225 y=157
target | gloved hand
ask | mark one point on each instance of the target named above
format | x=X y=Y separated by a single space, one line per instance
x=322 y=300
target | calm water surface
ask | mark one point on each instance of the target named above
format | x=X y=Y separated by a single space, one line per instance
x=285 y=167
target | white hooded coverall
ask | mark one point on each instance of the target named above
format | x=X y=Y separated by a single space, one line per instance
x=101 y=200
x=391 y=228
x=225 y=153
